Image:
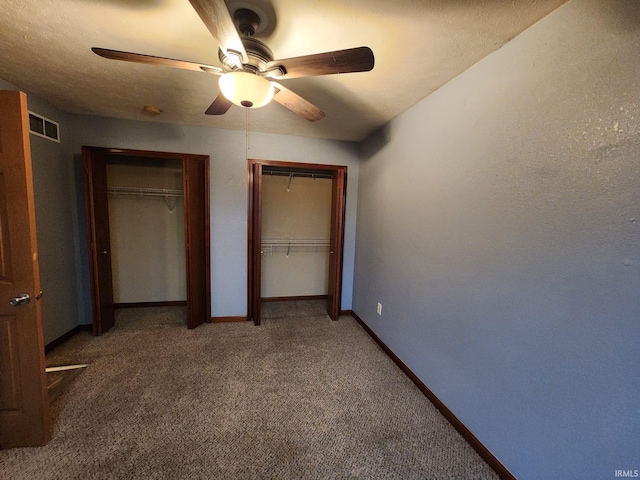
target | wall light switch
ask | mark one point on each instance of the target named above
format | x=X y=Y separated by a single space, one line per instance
x=379 y=309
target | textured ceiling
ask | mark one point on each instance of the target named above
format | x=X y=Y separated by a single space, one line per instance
x=419 y=45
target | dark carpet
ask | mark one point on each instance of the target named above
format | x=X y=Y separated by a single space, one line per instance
x=300 y=397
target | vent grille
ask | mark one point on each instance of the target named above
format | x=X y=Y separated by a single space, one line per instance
x=43 y=127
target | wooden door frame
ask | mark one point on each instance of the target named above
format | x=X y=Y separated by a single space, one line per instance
x=254 y=227
x=187 y=161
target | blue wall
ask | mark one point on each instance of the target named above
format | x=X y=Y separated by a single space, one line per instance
x=498 y=222
x=499 y=226
x=60 y=215
x=53 y=182
x=228 y=172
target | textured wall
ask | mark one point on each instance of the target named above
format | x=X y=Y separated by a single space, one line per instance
x=499 y=225
x=147 y=237
x=227 y=150
x=299 y=210
x=55 y=223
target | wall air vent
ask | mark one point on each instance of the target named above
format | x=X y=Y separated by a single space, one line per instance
x=43 y=127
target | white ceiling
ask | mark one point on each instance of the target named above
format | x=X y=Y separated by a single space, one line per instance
x=419 y=45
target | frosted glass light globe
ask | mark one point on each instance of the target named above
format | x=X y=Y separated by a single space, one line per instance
x=246 y=89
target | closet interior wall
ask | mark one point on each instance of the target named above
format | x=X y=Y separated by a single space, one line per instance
x=296 y=226
x=146 y=220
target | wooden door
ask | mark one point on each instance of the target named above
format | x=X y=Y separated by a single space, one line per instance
x=257 y=256
x=24 y=405
x=254 y=306
x=195 y=170
x=96 y=201
x=254 y=256
x=336 y=242
x=196 y=236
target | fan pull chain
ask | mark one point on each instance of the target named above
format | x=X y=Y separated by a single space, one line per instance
x=247 y=134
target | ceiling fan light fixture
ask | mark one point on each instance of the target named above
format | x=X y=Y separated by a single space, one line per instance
x=246 y=89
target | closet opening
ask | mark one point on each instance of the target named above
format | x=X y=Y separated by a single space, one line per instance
x=148 y=232
x=296 y=232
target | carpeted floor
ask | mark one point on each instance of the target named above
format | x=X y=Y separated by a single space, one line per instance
x=300 y=397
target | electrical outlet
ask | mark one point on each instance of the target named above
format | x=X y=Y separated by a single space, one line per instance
x=379 y=309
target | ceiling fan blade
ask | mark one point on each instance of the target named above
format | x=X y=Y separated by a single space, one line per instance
x=216 y=17
x=297 y=104
x=151 y=60
x=358 y=59
x=220 y=106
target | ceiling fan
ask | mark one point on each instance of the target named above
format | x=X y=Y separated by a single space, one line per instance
x=249 y=72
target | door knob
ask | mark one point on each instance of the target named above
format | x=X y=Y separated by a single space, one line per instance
x=20 y=299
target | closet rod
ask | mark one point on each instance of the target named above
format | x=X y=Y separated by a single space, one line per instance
x=144 y=192
x=296 y=241
x=299 y=174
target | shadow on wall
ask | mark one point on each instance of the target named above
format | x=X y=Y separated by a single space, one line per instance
x=264 y=9
x=623 y=16
x=84 y=292
x=132 y=4
x=375 y=142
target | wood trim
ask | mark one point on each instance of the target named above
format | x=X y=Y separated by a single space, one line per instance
x=98 y=239
x=127 y=152
x=297 y=165
x=58 y=381
x=176 y=303
x=193 y=161
x=336 y=248
x=254 y=215
x=293 y=299
x=476 y=444
x=63 y=338
x=231 y=319
x=250 y=236
x=195 y=172
x=346 y=312
x=254 y=242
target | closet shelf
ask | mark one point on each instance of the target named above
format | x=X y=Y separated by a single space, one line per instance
x=288 y=245
x=143 y=192
x=295 y=241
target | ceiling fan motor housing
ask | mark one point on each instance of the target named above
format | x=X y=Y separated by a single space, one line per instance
x=258 y=53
